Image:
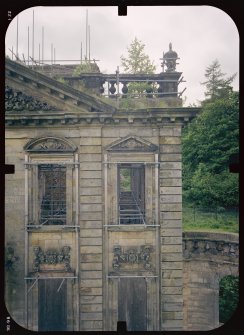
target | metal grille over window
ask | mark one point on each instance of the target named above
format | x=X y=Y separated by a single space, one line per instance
x=52 y=194
x=131 y=194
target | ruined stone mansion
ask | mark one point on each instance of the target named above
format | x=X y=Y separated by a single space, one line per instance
x=84 y=250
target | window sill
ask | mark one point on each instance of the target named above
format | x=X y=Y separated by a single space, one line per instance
x=50 y=228
x=134 y=227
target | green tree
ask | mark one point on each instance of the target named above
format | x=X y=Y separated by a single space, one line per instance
x=216 y=84
x=228 y=297
x=207 y=143
x=137 y=62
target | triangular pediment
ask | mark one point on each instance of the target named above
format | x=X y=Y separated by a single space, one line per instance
x=48 y=94
x=132 y=144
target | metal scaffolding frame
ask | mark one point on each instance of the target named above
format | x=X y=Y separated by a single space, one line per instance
x=131 y=202
x=52 y=192
x=28 y=183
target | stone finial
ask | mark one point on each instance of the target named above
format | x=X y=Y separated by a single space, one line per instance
x=169 y=59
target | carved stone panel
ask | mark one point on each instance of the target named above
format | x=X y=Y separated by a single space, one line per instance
x=16 y=101
x=131 y=256
x=52 y=259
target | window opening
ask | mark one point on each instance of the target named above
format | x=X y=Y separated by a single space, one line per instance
x=131 y=194
x=52 y=194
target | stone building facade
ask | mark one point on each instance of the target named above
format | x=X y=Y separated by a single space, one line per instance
x=83 y=251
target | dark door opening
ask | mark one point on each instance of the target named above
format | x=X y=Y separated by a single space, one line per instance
x=132 y=300
x=52 y=314
x=131 y=178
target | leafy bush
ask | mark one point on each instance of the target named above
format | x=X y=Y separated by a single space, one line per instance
x=228 y=297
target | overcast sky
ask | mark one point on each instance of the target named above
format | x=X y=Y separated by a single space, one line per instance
x=199 y=34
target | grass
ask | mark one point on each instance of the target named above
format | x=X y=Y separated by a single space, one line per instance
x=225 y=221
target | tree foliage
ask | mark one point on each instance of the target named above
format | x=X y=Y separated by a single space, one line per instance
x=228 y=297
x=138 y=62
x=208 y=143
x=217 y=86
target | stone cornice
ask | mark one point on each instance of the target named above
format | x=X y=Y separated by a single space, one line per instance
x=159 y=117
x=75 y=107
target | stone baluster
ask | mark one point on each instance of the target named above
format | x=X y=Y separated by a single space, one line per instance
x=112 y=89
x=124 y=90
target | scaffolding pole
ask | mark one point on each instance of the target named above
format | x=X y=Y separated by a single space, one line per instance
x=26 y=236
x=77 y=240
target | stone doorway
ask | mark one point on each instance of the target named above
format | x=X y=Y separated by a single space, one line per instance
x=132 y=303
x=52 y=311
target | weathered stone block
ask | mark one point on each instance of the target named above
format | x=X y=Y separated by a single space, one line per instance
x=91 y=274
x=91 y=241
x=91 y=216
x=90 y=283
x=170 y=190
x=91 y=199
x=90 y=149
x=90 y=191
x=172 y=315
x=169 y=174
x=171 y=182
x=90 y=249
x=176 y=207
x=90 y=224
x=174 y=257
x=90 y=157
x=167 y=306
x=172 y=265
x=166 y=131
x=88 y=258
x=90 y=141
x=170 y=148
x=91 y=207
x=91 y=325
x=170 y=216
x=88 y=182
x=170 y=199
x=170 y=157
x=141 y=131
x=170 y=298
x=91 y=233
x=169 y=140
x=174 y=232
x=172 y=248
x=171 y=239
x=90 y=266
x=110 y=132
x=171 y=290
x=171 y=223
x=172 y=282
x=170 y=166
x=91 y=316
x=90 y=166
x=172 y=324
x=90 y=132
x=91 y=308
